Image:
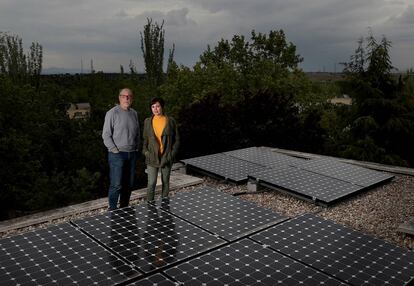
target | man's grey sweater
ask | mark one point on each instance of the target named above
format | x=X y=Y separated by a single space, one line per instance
x=121 y=130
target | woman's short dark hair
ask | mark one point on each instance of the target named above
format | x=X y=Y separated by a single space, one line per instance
x=159 y=100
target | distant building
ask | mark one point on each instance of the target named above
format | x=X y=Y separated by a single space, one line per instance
x=79 y=110
x=341 y=100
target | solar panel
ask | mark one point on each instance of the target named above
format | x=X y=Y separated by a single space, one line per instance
x=306 y=184
x=247 y=263
x=346 y=254
x=266 y=157
x=59 y=255
x=223 y=166
x=155 y=279
x=220 y=213
x=345 y=172
x=148 y=237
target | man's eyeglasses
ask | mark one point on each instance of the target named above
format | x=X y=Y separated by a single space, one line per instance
x=126 y=96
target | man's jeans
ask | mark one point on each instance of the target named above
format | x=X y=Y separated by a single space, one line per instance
x=152 y=181
x=122 y=176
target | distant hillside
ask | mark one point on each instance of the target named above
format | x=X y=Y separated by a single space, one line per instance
x=325 y=76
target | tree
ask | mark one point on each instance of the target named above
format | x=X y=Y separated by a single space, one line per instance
x=264 y=62
x=34 y=64
x=382 y=116
x=14 y=63
x=240 y=93
x=369 y=70
x=171 y=66
x=18 y=66
x=152 y=46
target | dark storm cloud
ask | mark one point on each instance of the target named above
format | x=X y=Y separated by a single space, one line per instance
x=325 y=32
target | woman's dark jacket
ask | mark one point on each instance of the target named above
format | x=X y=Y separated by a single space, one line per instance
x=170 y=139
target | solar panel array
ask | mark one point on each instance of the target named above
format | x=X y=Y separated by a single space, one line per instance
x=182 y=241
x=324 y=181
x=348 y=255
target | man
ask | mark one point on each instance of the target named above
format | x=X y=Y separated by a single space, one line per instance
x=121 y=135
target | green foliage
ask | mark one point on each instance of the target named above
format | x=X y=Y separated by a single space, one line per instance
x=369 y=70
x=238 y=68
x=240 y=93
x=172 y=65
x=381 y=121
x=18 y=66
x=266 y=62
x=152 y=46
x=209 y=126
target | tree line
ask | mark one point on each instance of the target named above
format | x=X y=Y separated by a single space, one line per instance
x=243 y=91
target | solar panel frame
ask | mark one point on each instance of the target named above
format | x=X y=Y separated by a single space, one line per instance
x=155 y=279
x=223 y=166
x=307 y=185
x=221 y=214
x=148 y=237
x=349 y=255
x=59 y=254
x=246 y=262
x=346 y=172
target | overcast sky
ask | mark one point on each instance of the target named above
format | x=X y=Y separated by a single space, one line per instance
x=325 y=32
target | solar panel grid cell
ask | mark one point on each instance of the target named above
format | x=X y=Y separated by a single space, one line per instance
x=264 y=156
x=220 y=213
x=351 y=256
x=227 y=167
x=247 y=263
x=58 y=255
x=148 y=237
x=305 y=183
x=346 y=172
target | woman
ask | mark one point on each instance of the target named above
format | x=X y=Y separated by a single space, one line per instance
x=161 y=141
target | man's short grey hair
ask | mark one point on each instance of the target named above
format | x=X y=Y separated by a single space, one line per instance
x=127 y=90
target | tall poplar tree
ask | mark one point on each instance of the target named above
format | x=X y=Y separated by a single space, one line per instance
x=152 y=46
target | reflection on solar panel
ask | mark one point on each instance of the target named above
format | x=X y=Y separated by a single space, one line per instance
x=247 y=263
x=223 y=166
x=341 y=252
x=265 y=156
x=59 y=255
x=148 y=237
x=155 y=279
x=305 y=184
x=345 y=172
x=220 y=213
